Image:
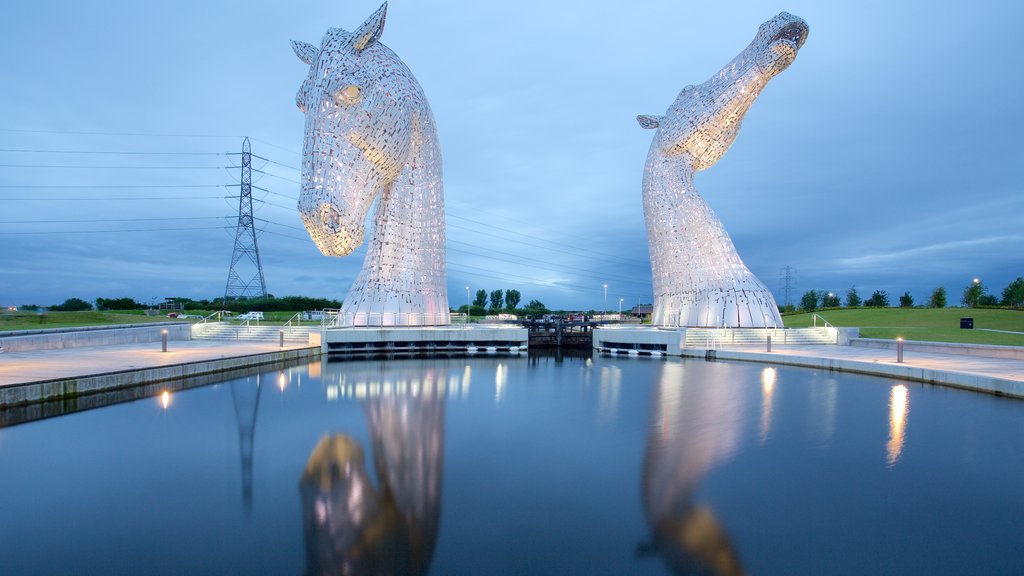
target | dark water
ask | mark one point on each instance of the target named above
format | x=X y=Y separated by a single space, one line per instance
x=523 y=466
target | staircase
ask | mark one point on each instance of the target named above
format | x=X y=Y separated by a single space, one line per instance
x=229 y=331
x=713 y=338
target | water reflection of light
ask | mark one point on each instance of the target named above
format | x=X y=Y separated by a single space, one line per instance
x=898 y=407
x=608 y=399
x=768 y=378
x=465 y=381
x=165 y=399
x=282 y=381
x=500 y=380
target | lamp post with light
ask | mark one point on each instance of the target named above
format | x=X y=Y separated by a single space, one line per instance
x=605 y=298
x=620 y=308
x=468 y=305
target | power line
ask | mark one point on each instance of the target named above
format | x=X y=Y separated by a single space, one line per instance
x=90 y=167
x=113 y=220
x=118 y=198
x=53 y=232
x=94 y=186
x=116 y=152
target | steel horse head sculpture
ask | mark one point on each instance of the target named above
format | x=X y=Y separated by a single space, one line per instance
x=699 y=279
x=370 y=137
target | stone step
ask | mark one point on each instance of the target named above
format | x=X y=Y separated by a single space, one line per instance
x=705 y=337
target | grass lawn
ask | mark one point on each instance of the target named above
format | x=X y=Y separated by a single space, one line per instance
x=928 y=324
x=31 y=320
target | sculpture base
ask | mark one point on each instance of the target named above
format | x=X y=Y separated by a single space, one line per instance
x=474 y=339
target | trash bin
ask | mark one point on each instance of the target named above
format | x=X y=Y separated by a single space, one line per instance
x=967 y=323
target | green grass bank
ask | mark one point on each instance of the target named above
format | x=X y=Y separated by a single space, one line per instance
x=926 y=324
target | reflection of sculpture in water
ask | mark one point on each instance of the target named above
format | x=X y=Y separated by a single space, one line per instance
x=353 y=527
x=698 y=277
x=694 y=426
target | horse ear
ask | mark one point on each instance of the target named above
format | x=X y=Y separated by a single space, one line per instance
x=306 y=52
x=371 y=30
x=649 y=122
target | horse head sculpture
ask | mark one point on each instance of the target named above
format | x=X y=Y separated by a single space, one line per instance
x=699 y=279
x=370 y=137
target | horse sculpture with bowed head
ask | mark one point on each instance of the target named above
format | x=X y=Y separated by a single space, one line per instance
x=699 y=279
x=370 y=136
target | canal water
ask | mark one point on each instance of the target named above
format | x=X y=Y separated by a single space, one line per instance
x=521 y=465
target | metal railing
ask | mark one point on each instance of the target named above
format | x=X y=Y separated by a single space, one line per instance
x=829 y=328
x=297 y=318
x=335 y=318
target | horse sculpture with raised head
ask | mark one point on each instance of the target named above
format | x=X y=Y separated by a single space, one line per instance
x=370 y=136
x=699 y=279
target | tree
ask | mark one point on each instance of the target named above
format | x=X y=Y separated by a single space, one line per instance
x=512 y=299
x=830 y=300
x=906 y=301
x=536 y=307
x=852 y=299
x=973 y=293
x=879 y=299
x=72 y=305
x=1013 y=294
x=938 y=299
x=481 y=298
x=497 y=299
x=809 y=301
x=118 y=304
x=988 y=300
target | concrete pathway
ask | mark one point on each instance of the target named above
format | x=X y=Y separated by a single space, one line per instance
x=45 y=365
x=982 y=374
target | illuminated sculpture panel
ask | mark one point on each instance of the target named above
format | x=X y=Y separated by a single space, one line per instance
x=370 y=136
x=699 y=279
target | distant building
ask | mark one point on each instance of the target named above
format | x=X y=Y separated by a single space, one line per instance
x=643 y=311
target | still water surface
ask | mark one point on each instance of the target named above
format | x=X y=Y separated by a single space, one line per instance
x=522 y=466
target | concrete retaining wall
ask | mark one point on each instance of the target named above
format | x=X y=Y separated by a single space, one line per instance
x=77 y=337
x=66 y=388
x=983 y=350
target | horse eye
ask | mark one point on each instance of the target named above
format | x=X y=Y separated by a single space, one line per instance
x=348 y=95
x=300 y=103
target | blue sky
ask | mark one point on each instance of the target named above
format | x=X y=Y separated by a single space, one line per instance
x=886 y=157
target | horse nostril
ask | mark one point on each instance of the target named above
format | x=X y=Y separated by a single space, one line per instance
x=330 y=219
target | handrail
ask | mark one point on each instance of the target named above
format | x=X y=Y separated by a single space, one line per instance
x=207 y=318
x=297 y=317
x=814 y=319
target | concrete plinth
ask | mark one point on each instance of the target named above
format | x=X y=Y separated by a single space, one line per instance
x=640 y=340
x=481 y=338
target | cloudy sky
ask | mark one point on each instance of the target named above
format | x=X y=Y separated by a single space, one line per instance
x=887 y=157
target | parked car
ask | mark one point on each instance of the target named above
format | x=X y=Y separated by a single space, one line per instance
x=250 y=316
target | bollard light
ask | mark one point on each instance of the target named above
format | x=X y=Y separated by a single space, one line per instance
x=769 y=342
x=899 y=350
x=163 y=340
x=282 y=338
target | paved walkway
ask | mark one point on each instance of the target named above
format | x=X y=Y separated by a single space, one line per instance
x=983 y=374
x=41 y=365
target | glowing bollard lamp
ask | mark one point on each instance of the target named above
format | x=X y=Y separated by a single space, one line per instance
x=899 y=350
x=163 y=340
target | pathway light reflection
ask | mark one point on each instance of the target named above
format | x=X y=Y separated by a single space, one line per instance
x=165 y=399
x=768 y=378
x=899 y=400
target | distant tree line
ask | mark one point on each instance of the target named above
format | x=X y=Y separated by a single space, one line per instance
x=268 y=304
x=974 y=295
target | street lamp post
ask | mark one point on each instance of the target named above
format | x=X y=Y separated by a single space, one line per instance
x=606 y=298
x=620 y=308
x=468 y=305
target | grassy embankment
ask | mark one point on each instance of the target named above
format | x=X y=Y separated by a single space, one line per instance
x=927 y=324
x=31 y=320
